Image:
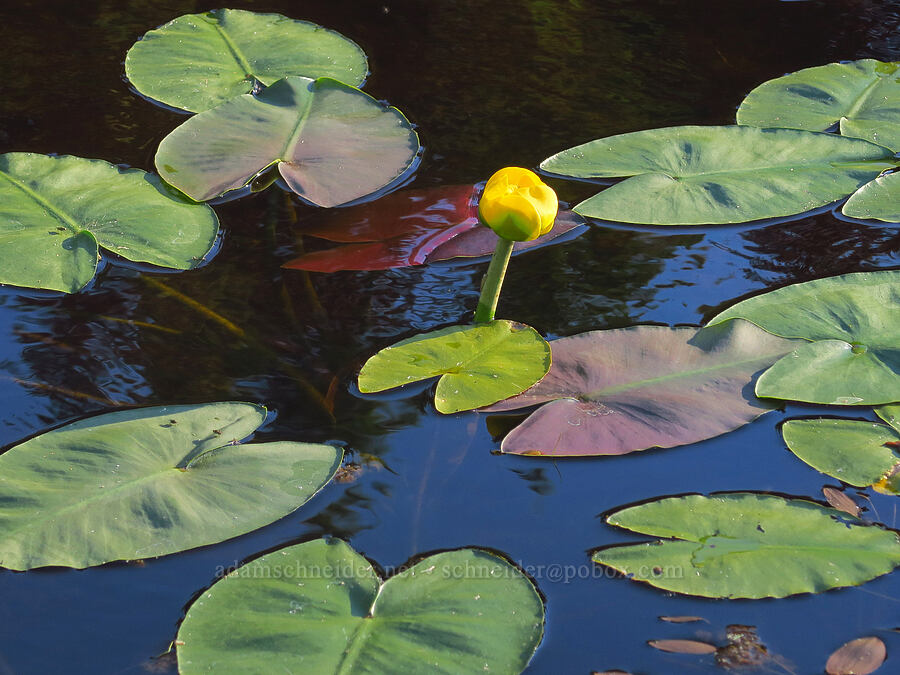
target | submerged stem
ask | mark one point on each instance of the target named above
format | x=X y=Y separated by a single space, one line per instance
x=493 y=280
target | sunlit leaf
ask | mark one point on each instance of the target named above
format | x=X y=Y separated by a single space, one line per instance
x=148 y=482
x=478 y=365
x=878 y=200
x=683 y=646
x=857 y=657
x=57 y=212
x=197 y=61
x=841 y=501
x=616 y=391
x=711 y=175
x=331 y=143
x=321 y=608
x=862 y=96
x=743 y=545
x=854 y=358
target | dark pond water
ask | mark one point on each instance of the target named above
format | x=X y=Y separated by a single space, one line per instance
x=490 y=85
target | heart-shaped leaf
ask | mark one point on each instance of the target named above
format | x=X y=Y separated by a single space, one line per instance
x=863 y=96
x=879 y=200
x=711 y=175
x=612 y=392
x=197 y=61
x=398 y=230
x=56 y=212
x=331 y=143
x=852 y=319
x=321 y=608
x=743 y=545
x=858 y=453
x=148 y=482
x=478 y=365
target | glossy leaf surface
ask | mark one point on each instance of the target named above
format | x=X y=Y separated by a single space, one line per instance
x=616 y=391
x=57 y=212
x=331 y=143
x=878 y=200
x=320 y=607
x=478 y=365
x=695 y=175
x=148 y=482
x=863 y=97
x=744 y=545
x=197 y=61
x=852 y=320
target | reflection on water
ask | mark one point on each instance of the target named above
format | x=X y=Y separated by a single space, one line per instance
x=488 y=86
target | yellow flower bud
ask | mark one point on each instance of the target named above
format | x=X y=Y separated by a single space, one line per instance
x=517 y=205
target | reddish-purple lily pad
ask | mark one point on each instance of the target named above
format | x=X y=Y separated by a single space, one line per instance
x=616 y=391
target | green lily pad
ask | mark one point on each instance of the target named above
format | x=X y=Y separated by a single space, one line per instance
x=854 y=358
x=610 y=392
x=57 y=212
x=478 y=365
x=321 y=608
x=858 y=453
x=197 y=61
x=879 y=200
x=148 y=482
x=331 y=143
x=744 y=545
x=862 y=96
x=713 y=175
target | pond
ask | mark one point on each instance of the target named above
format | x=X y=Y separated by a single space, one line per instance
x=488 y=85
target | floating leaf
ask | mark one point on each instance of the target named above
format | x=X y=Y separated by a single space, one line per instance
x=682 y=646
x=148 y=482
x=197 y=61
x=682 y=619
x=853 y=452
x=481 y=241
x=331 y=142
x=841 y=501
x=857 y=657
x=320 y=607
x=398 y=230
x=478 y=365
x=710 y=175
x=56 y=212
x=743 y=545
x=852 y=319
x=616 y=391
x=863 y=96
x=879 y=200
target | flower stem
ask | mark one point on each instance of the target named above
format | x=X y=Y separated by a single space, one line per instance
x=493 y=280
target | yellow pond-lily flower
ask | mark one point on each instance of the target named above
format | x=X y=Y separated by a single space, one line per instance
x=517 y=205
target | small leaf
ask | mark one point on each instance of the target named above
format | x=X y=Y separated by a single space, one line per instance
x=197 y=61
x=863 y=96
x=320 y=607
x=331 y=143
x=742 y=545
x=857 y=657
x=148 y=482
x=841 y=501
x=712 y=175
x=682 y=646
x=478 y=365
x=682 y=619
x=879 y=200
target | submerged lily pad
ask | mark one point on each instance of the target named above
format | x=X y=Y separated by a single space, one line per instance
x=696 y=175
x=862 y=96
x=615 y=391
x=57 y=212
x=854 y=356
x=858 y=453
x=879 y=200
x=148 y=482
x=320 y=607
x=743 y=545
x=331 y=143
x=197 y=61
x=478 y=365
